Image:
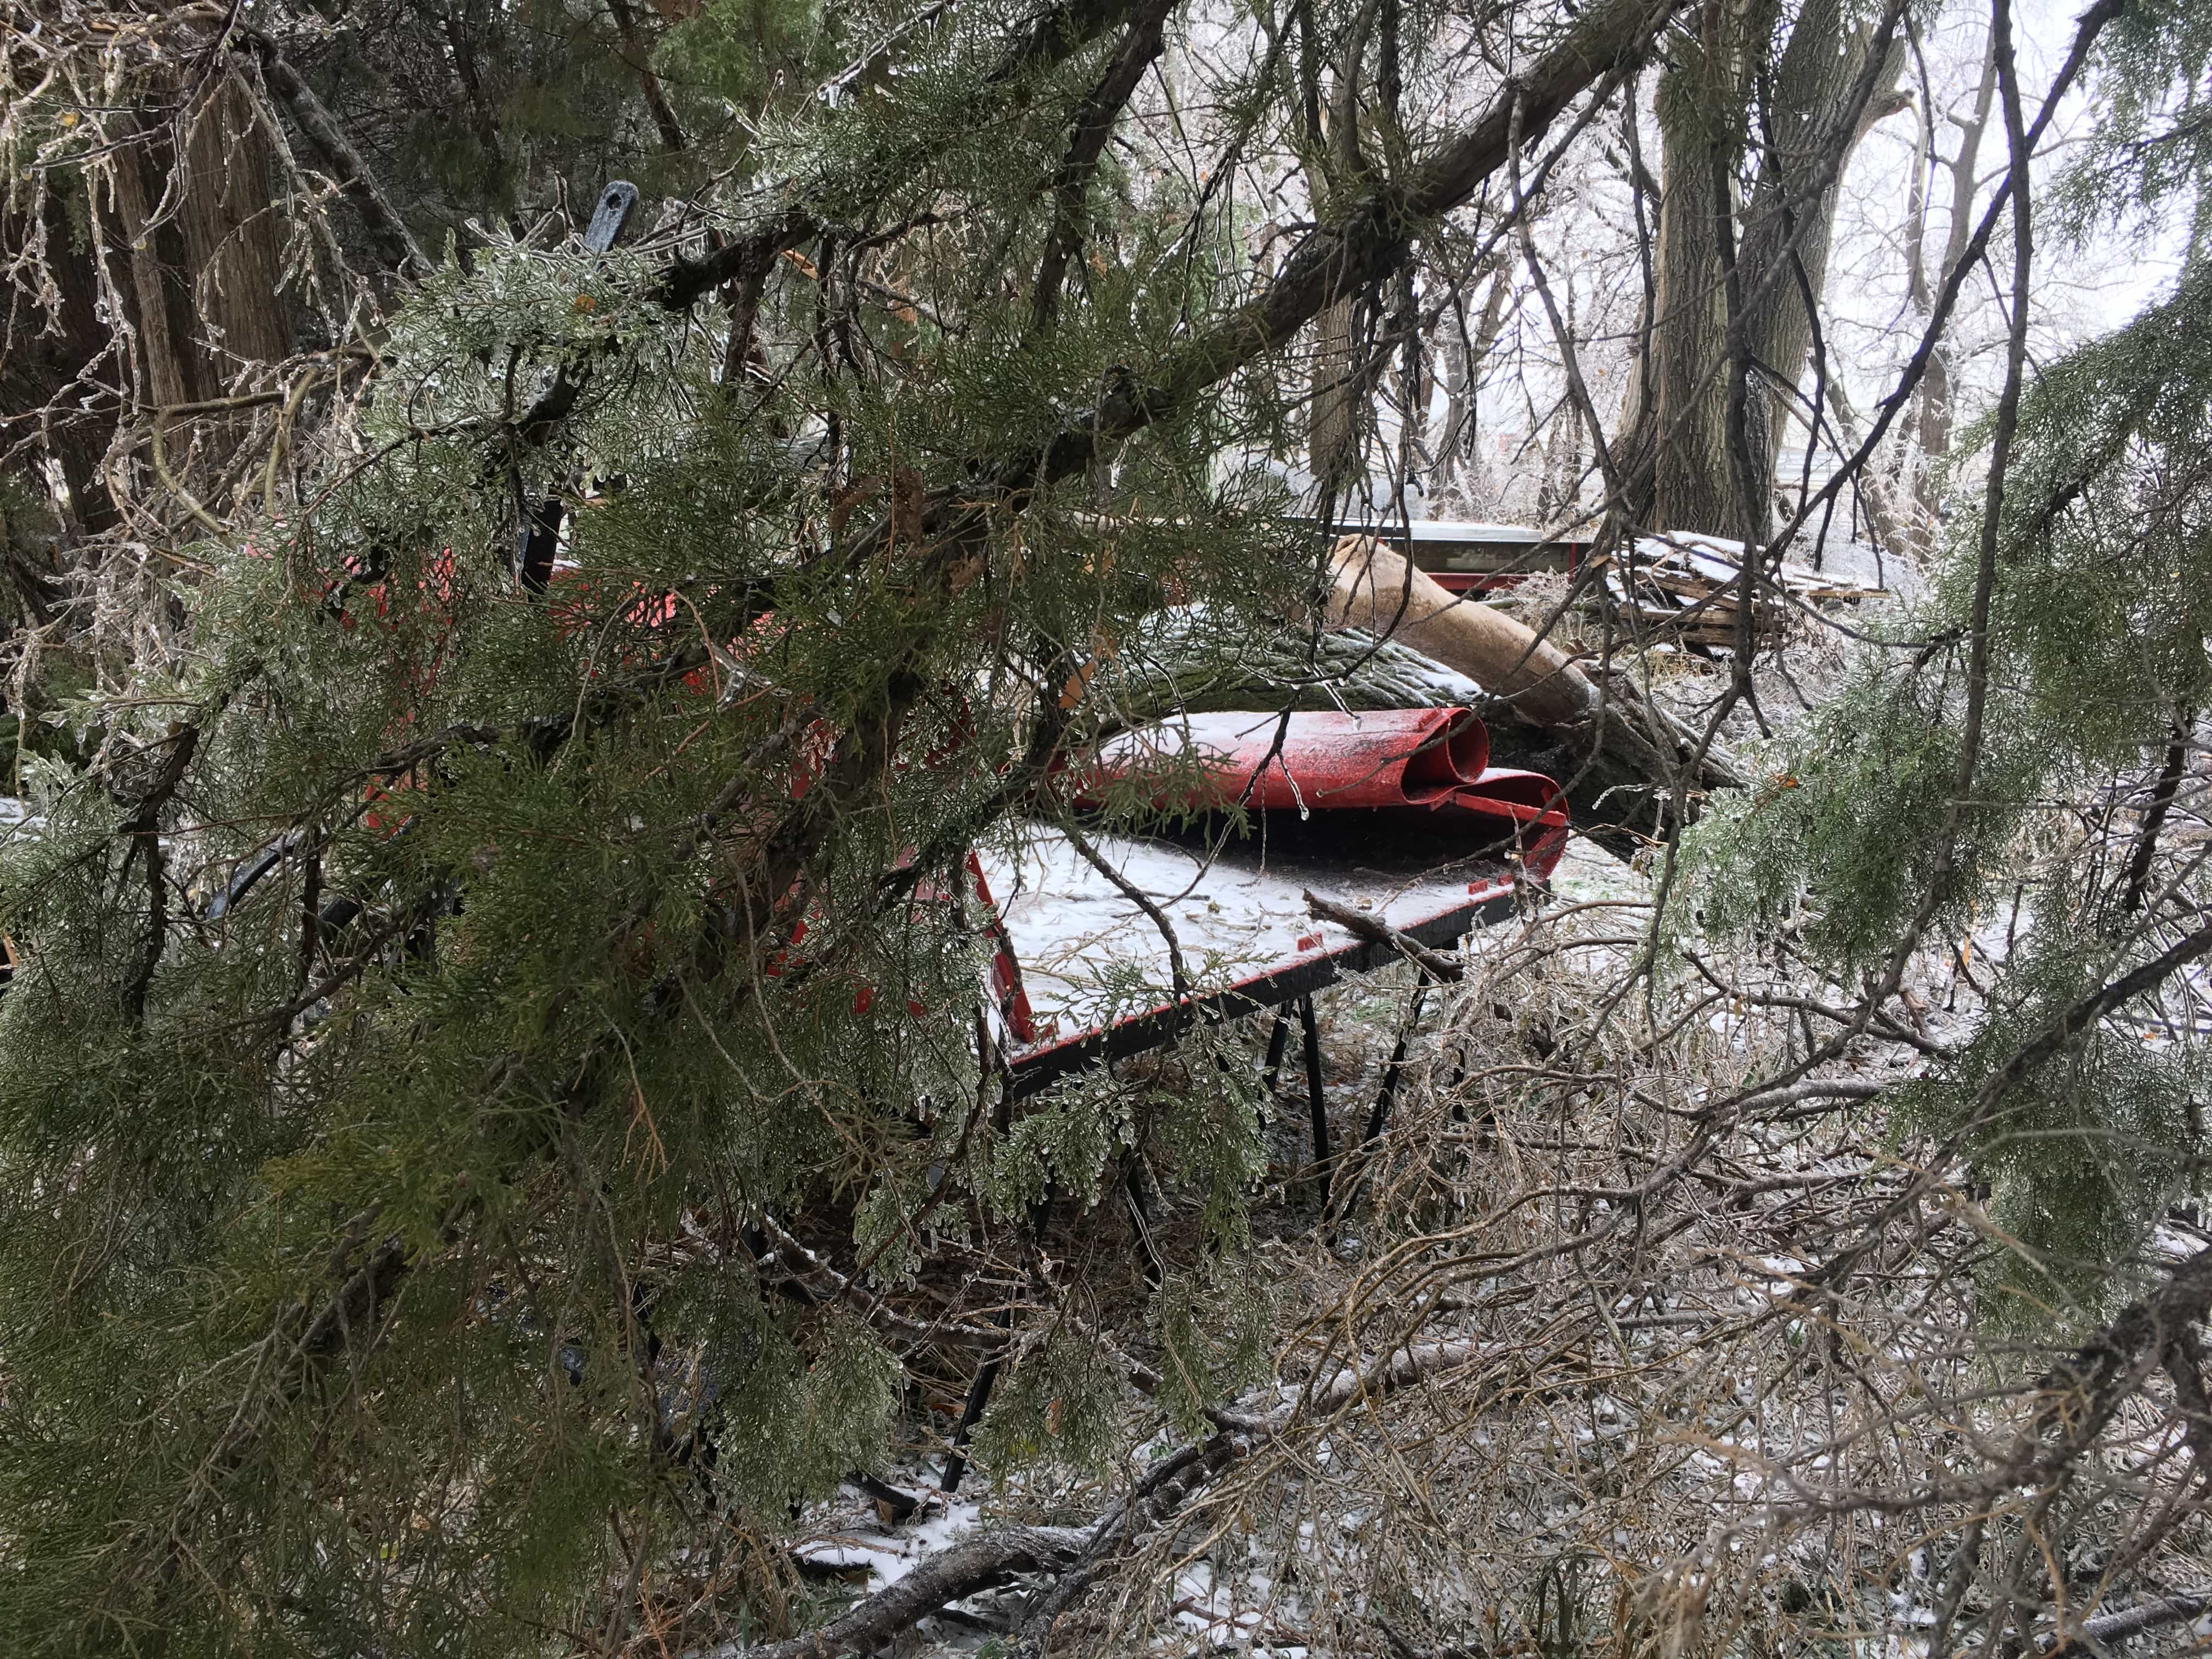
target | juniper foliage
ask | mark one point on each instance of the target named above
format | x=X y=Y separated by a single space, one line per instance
x=1856 y=837
x=381 y=1262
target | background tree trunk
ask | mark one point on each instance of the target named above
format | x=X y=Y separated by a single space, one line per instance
x=156 y=284
x=1332 y=429
x=1465 y=358
x=1934 y=413
x=1823 y=62
x=204 y=285
x=1679 y=441
x=1677 y=425
x=55 y=357
x=233 y=248
x=1342 y=413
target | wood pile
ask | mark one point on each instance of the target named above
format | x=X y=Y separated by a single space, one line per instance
x=1688 y=589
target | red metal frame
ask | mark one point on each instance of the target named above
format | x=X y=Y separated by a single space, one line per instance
x=1360 y=772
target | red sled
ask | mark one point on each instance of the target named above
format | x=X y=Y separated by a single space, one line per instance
x=1396 y=813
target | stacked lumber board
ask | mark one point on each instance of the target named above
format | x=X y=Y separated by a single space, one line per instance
x=1689 y=589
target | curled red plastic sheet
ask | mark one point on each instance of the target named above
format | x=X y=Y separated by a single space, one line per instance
x=1432 y=761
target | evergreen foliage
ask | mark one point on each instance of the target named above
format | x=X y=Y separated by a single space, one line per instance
x=486 y=1055
x=2098 y=666
x=373 y=1259
x=487 y=113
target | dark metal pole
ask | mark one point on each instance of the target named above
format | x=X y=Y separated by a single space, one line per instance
x=1278 y=1040
x=1315 y=1099
x=1377 y=1118
x=979 y=1397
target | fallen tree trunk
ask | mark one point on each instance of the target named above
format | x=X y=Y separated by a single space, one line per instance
x=1618 y=754
x=1377 y=589
x=1078 y=1555
x=960 y=1570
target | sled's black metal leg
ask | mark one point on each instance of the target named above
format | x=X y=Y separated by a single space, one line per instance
x=1278 y=1040
x=1140 y=1217
x=1380 y=1117
x=979 y=1397
x=1315 y=1099
x=900 y=1503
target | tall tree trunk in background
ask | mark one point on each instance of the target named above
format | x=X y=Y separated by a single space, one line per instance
x=194 y=266
x=1333 y=424
x=204 y=254
x=1558 y=495
x=1679 y=443
x=1465 y=356
x=156 y=281
x=1342 y=408
x=1791 y=225
x=1676 y=427
x=234 y=245
x=1934 y=426
x=54 y=361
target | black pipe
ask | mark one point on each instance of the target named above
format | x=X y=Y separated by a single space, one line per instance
x=979 y=1397
x=1315 y=1099
x=1278 y=1040
x=1377 y=1118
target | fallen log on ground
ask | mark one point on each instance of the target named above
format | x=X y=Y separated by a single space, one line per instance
x=1077 y=1556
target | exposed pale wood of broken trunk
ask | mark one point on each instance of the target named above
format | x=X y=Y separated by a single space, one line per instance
x=1375 y=589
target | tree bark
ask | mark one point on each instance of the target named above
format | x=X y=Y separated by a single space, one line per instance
x=1093 y=127
x=205 y=256
x=1465 y=355
x=157 y=286
x=1375 y=590
x=1793 y=214
x=1703 y=102
x=1677 y=441
x=1934 y=421
x=1333 y=417
x=1335 y=422
x=43 y=380
x=234 y=247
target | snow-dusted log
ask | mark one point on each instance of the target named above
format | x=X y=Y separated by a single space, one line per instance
x=960 y=1570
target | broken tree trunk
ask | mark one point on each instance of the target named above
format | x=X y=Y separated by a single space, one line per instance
x=1618 y=754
